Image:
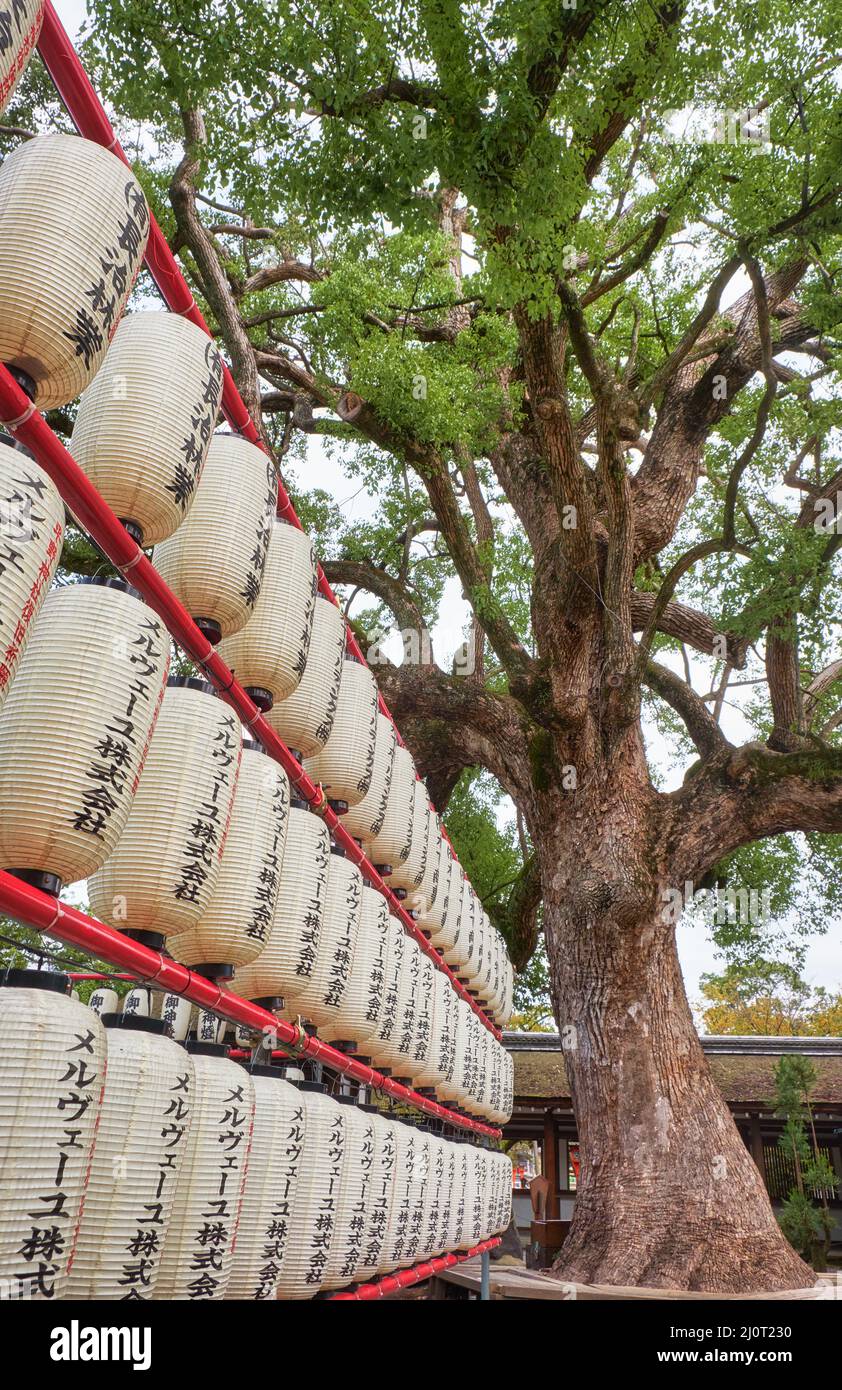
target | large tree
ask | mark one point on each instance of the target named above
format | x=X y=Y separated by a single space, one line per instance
x=581 y=348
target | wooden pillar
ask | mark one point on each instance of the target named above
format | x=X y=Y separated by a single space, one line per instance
x=551 y=1164
x=756 y=1146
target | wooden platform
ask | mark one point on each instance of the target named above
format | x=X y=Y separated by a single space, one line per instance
x=511 y=1282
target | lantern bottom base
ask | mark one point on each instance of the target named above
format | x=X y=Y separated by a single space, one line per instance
x=209 y=628
x=133 y=528
x=27 y=383
x=339 y=808
x=214 y=970
x=264 y=699
x=346 y=1045
x=154 y=940
x=38 y=878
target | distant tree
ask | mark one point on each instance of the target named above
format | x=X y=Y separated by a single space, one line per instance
x=768 y=997
x=805 y=1218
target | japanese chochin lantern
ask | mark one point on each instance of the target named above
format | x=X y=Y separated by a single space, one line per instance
x=305 y=718
x=356 y=1194
x=32 y=529
x=21 y=25
x=288 y=958
x=236 y=925
x=312 y=1224
x=145 y=423
x=103 y=1001
x=361 y=1001
x=422 y=1038
x=73 y=230
x=53 y=1051
x=75 y=729
x=322 y=996
x=215 y=561
x=346 y=763
x=380 y=1046
x=434 y=1069
x=141 y=1142
x=400 y=1216
x=269 y=655
x=391 y=844
x=408 y=873
x=379 y=1208
x=270 y=1188
x=365 y=819
x=211 y=1180
x=162 y=876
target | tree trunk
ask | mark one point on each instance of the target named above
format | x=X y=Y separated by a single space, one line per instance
x=668 y=1195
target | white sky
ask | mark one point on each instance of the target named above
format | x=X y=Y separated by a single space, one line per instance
x=824 y=963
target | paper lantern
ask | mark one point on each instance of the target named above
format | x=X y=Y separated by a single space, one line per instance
x=508 y=1086
x=236 y=925
x=362 y=998
x=452 y=1091
x=380 y=1046
x=392 y=843
x=435 y=1198
x=269 y=654
x=73 y=230
x=413 y=1249
x=422 y=1036
x=398 y=1050
x=383 y=1183
x=356 y=1194
x=209 y=1190
x=53 y=1051
x=162 y=876
x=451 y=912
x=20 y=26
x=145 y=423
x=312 y=1223
x=428 y=889
x=365 y=819
x=409 y=872
x=103 y=1001
x=75 y=728
x=176 y=1013
x=305 y=718
x=345 y=765
x=140 y=1146
x=215 y=561
x=323 y=992
x=32 y=530
x=460 y=1196
x=447 y=1199
x=400 y=1216
x=442 y=1006
x=457 y=951
x=288 y=958
x=137 y=1002
x=270 y=1188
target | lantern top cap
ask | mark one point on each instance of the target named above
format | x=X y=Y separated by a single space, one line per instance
x=110 y=581
x=190 y=683
x=12 y=978
x=136 y=1023
x=205 y=1049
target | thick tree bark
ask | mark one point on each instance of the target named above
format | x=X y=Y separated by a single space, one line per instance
x=668 y=1195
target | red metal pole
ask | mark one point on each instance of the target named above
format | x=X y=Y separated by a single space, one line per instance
x=36 y=909
x=28 y=425
x=415 y=1274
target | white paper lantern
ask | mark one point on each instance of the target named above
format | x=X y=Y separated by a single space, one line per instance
x=53 y=1051
x=137 y=1002
x=288 y=958
x=20 y=26
x=383 y=1184
x=145 y=423
x=409 y=873
x=393 y=842
x=305 y=718
x=400 y=1048
x=73 y=230
x=75 y=728
x=141 y=1142
x=239 y=918
x=176 y=1012
x=428 y=889
x=270 y=1188
x=356 y=1193
x=163 y=874
x=345 y=765
x=32 y=531
x=323 y=992
x=457 y=952
x=447 y=1199
x=215 y=561
x=461 y=1196
x=366 y=818
x=103 y=1001
x=414 y=1246
x=362 y=999
x=442 y=1010
x=199 y=1246
x=452 y=1091
x=451 y=915
x=312 y=1224
x=381 y=1045
x=269 y=655
x=435 y=1198
x=400 y=1216
x=422 y=1035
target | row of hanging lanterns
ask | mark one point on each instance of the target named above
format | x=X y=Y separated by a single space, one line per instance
x=133 y=1167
